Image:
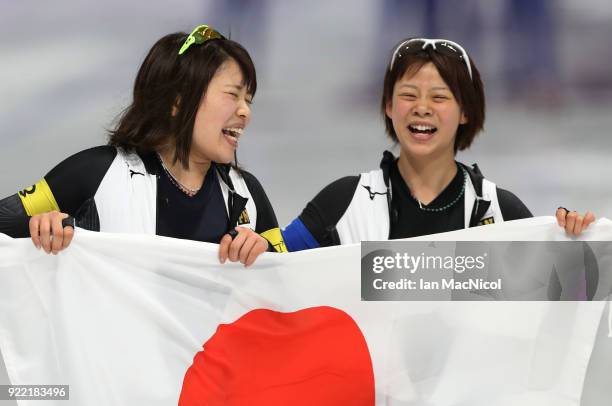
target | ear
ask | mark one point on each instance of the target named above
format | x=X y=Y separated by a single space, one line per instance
x=463 y=119
x=175 y=107
x=388 y=108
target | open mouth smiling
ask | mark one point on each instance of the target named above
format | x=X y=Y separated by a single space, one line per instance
x=423 y=129
x=231 y=135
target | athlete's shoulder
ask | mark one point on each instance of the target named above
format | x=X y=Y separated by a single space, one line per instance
x=96 y=158
x=328 y=206
x=77 y=178
x=251 y=180
x=340 y=189
x=511 y=206
x=100 y=152
x=96 y=155
x=255 y=188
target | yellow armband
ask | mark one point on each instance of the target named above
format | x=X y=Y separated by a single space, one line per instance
x=275 y=238
x=38 y=199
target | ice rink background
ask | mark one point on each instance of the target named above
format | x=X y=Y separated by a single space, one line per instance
x=68 y=67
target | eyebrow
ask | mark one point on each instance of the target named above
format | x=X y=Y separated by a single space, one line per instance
x=237 y=87
x=407 y=85
x=416 y=88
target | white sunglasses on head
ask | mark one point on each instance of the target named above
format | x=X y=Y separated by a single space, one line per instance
x=443 y=46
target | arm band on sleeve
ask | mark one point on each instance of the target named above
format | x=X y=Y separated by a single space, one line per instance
x=275 y=238
x=298 y=238
x=38 y=199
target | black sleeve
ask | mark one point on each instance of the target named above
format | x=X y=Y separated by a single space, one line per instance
x=322 y=213
x=267 y=224
x=512 y=207
x=13 y=218
x=77 y=178
x=70 y=184
x=266 y=219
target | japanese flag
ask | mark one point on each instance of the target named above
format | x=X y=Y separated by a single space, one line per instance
x=146 y=320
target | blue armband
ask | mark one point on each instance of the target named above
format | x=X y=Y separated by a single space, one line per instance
x=298 y=238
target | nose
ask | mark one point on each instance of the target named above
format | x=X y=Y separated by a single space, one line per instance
x=422 y=108
x=244 y=110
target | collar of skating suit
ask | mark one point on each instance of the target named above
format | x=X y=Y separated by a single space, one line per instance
x=236 y=203
x=388 y=160
x=480 y=205
x=474 y=173
x=476 y=176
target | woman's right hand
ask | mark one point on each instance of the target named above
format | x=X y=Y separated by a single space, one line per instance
x=46 y=231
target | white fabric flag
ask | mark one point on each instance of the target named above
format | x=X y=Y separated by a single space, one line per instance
x=120 y=318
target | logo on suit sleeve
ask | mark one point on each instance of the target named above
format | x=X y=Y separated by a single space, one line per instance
x=132 y=173
x=485 y=221
x=373 y=194
x=28 y=191
x=243 y=218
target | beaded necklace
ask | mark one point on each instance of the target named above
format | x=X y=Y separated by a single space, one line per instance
x=188 y=191
x=439 y=209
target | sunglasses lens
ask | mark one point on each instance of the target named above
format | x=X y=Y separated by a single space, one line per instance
x=447 y=49
x=205 y=34
x=441 y=47
x=199 y=36
x=444 y=47
x=413 y=47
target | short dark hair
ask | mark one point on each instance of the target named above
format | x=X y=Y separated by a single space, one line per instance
x=469 y=92
x=167 y=80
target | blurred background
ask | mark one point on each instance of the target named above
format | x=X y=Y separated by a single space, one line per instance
x=67 y=71
x=68 y=67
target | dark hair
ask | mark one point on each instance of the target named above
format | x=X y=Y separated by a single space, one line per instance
x=468 y=92
x=167 y=80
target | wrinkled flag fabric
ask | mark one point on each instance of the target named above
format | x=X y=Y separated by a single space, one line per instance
x=147 y=320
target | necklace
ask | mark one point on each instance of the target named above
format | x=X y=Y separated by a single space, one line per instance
x=439 y=209
x=188 y=191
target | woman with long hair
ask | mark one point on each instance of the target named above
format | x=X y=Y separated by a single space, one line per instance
x=167 y=168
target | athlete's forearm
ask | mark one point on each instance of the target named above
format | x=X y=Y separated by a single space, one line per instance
x=14 y=221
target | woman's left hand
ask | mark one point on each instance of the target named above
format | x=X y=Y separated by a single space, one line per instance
x=573 y=222
x=246 y=246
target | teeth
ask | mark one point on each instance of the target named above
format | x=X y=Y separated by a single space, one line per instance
x=422 y=127
x=234 y=130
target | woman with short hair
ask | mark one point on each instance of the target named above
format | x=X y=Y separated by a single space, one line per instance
x=433 y=105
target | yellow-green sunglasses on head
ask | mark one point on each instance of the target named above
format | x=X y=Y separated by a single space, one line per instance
x=199 y=35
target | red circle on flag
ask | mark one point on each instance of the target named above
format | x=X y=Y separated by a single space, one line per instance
x=315 y=356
